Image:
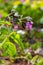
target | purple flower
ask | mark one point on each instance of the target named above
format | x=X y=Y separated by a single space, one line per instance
x=29 y=25
x=15 y=26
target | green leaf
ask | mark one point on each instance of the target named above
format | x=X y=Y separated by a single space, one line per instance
x=9 y=49
x=5 y=22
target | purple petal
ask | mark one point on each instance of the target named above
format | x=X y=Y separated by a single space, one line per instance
x=15 y=26
x=28 y=26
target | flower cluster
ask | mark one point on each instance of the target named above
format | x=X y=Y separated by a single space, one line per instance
x=29 y=25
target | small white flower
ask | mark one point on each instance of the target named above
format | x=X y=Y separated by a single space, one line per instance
x=21 y=32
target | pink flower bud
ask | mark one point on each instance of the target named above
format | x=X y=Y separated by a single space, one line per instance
x=15 y=27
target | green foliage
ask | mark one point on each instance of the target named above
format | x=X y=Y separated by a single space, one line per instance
x=5 y=23
x=1 y=62
x=37 y=34
x=6 y=5
x=36 y=45
x=37 y=60
x=9 y=49
x=16 y=38
x=26 y=45
x=27 y=10
x=4 y=14
x=34 y=59
x=3 y=33
x=7 y=40
x=40 y=62
x=29 y=56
